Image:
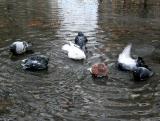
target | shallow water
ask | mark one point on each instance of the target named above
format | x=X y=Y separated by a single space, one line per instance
x=67 y=92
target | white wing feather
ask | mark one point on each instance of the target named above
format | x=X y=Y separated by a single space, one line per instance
x=125 y=58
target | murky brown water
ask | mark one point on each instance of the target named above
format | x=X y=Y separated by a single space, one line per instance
x=67 y=92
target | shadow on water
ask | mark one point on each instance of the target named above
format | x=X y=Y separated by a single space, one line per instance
x=67 y=91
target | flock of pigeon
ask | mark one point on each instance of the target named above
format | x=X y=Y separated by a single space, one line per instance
x=77 y=51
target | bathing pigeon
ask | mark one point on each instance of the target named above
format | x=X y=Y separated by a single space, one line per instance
x=126 y=62
x=19 y=47
x=142 y=73
x=35 y=62
x=99 y=70
x=74 y=51
x=140 y=70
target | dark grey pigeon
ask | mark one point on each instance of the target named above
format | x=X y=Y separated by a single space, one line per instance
x=142 y=73
x=35 y=62
x=81 y=40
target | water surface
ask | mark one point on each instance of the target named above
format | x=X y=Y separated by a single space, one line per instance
x=66 y=91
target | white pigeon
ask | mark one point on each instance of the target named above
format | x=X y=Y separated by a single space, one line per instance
x=74 y=51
